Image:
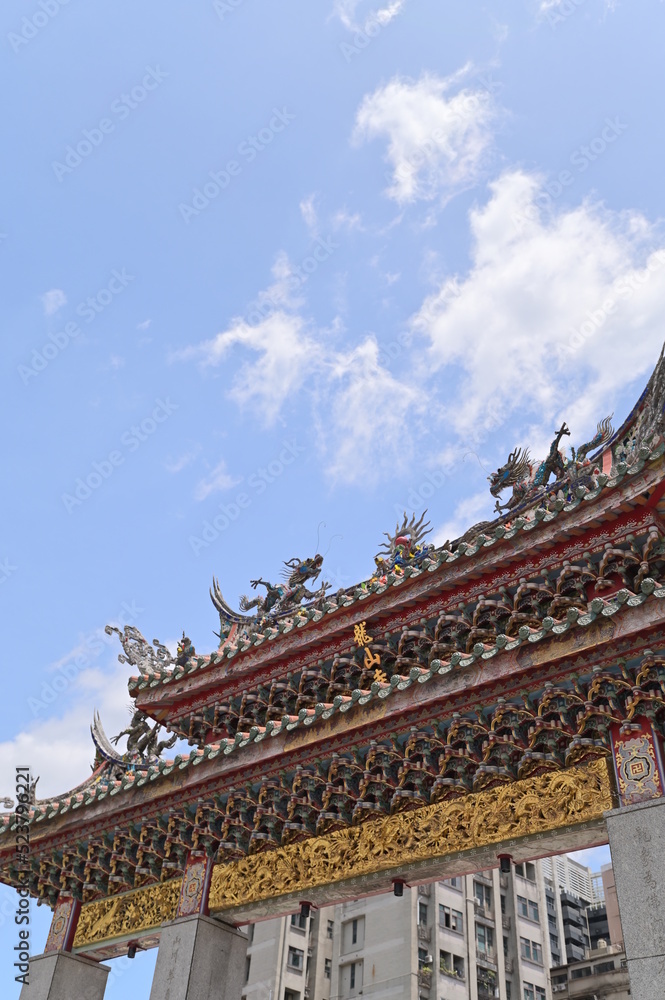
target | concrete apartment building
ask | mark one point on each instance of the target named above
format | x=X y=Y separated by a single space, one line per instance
x=476 y=937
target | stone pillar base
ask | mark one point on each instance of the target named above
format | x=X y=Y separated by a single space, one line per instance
x=199 y=959
x=637 y=834
x=59 y=975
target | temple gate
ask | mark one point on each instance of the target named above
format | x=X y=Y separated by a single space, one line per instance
x=493 y=700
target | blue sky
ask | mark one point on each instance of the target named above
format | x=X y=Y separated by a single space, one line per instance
x=271 y=273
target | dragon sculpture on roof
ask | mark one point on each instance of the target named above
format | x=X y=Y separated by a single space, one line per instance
x=143 y=744
x=528 y=477
x=279 y=600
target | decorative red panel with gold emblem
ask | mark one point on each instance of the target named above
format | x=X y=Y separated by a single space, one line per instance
x=638 y=762
x=63 y=925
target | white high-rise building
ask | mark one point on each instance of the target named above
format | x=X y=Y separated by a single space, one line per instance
x=573 y=877
x=488 y=936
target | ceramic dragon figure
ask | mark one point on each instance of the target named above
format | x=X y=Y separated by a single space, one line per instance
x=280 y=599
x=528 y=478
x=143 y=743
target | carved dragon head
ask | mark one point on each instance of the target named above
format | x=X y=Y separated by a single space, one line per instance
x=298 y=571
x=514 y=471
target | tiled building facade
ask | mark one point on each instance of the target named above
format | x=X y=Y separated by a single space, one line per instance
x=488 y=936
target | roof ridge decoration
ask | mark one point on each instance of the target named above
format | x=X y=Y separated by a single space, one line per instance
x=279 y=600
x=530 y=479
x=143 y=744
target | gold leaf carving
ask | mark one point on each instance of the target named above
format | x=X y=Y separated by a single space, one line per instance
x=532 y=806
x=522 y=808
x=131 y=913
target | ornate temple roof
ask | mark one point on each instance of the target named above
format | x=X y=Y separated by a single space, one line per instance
x=428 y=611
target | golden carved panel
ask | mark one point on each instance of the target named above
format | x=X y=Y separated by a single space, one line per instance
x=133 y=912
x=522 y=808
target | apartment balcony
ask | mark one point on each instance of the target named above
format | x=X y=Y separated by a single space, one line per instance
x=483 y=911
x=487 y=957
x=424 y=933
x=509 y=964
x=424 y=979
x=505 y=922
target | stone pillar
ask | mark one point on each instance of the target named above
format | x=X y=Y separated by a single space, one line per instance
x=199 y=959
x=58 y=975
x=636 y=835
x=636 y=832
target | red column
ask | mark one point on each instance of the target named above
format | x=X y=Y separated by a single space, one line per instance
x=63 y=925
x=195 y=885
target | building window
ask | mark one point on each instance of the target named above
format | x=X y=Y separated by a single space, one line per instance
x=331 y=928
x=505 y=947
x=327 y=968
x=423 y=958
x=352 y=976
x=530 y=871
x=248 y=962
x=353 y=935
x=603 y=967
x=519 y=870
x=533 y=911
x=509 y=989
x=290 y=995
x=540 y=993
x=483 y=894
x=450 y=918
x=522 y=906
x=422 y=912
x=503 y=904
x=528 y=992
x=451 y=965
x=299 y=921
x=453 y=883
x=532 y=951
x=484 y=938
x=296 y=959
x=250 y=933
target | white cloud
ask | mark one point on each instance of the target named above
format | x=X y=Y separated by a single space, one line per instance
x=217 y=481
x=53 y=300
x=347 y=11
x=478 y=507
x=285 y=350
x=175 y=465
x=438 y=140
x=526 y=329
x=58 y=747
x=343 y=219
x=144 y=325
x=593 y=857
x=309 y=214
x=371 y=411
